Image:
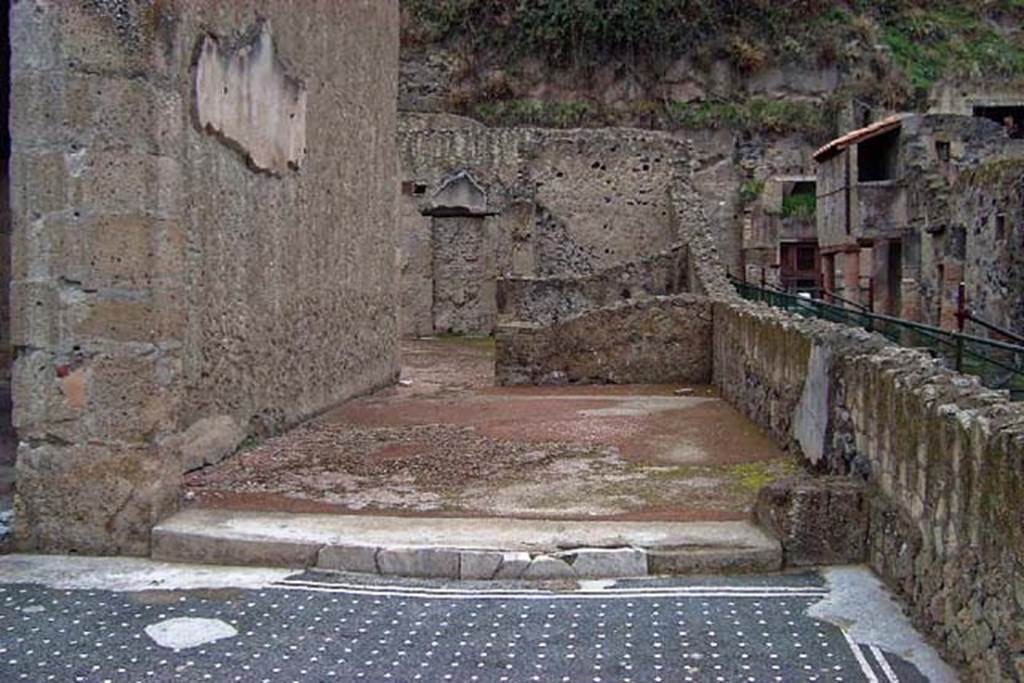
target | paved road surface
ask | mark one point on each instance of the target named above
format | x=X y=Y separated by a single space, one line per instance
x=79 y=622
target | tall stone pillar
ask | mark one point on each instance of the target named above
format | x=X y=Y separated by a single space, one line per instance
x=98 y=265
x=851 y=275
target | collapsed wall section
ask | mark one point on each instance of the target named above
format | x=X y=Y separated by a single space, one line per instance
x=547 y=300
x=656 y=340
x=943 y=456
x=182 y=280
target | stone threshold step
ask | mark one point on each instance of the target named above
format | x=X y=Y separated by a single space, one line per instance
x=464 y=548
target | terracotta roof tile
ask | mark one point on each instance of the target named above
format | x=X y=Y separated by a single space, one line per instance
x=859 y=135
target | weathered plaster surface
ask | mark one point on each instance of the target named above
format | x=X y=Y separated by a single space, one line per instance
x=246 y=96
x=810 y=421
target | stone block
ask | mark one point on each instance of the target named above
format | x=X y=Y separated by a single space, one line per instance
x=442 y=563
x=34 y=36
x=684 y=561
x=108 y=397
x=111 y=38
x=119 y=182
x=116 y=251
x=35 y=313
x=479 y=565
x=78 y=111
x=91 y=499
x=39 y=185
x=152 y=318
x=206 y=441
x=36 y=395
x=548 y=567
x=345 y=558
x=598 y=563
x=821 y=520
x=513 y=566
x=173 y=546
x=127 y=397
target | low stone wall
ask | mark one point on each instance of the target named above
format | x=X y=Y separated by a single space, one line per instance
x=548 y=300
x=656 y=340
x=942 y=455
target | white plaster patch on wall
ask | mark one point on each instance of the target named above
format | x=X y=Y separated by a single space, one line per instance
x=810 y=420
x=182 y=633
x=245 y=97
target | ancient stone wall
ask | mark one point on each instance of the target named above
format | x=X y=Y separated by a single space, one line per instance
x=951 y=167
x=464 y=300
x=656 y=340
x=548 y=300
x=943 y=455
x=988 y=237
x=567 y=203
x=204 y=246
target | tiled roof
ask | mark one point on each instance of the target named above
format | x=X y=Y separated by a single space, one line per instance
x=859 y=135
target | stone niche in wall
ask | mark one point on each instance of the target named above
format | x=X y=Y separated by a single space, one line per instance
x=245 y=97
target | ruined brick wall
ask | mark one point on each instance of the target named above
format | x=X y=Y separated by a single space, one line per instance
x=190 y=266
x=657 y=340
x=988 y=238
x=547 y=300
x=952 y=208
x=943 y=456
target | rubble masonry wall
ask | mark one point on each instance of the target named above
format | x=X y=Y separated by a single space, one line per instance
x=655 y=340
x=547 y=300
x=943 y=455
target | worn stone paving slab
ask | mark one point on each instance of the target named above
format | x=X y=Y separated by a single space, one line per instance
x=332 y=627
x=452 y=547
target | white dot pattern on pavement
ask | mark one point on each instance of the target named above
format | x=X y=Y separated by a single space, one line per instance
x=296 y=635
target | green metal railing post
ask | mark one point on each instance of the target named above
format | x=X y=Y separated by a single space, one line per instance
x=999 y=364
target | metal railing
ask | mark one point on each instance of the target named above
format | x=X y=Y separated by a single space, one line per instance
x=999 y=365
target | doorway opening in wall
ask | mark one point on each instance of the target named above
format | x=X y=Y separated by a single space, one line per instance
x=877 y=157
x=800 y=267
x=894 y=278
x=8 y=442
x=1011 y=117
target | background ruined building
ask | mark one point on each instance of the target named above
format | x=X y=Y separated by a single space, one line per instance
x=187 y=268
x=901 y=223
x=749 y=111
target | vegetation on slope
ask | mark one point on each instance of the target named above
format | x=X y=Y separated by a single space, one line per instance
x=897 y=50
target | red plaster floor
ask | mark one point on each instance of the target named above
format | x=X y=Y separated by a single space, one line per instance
x=450 y=443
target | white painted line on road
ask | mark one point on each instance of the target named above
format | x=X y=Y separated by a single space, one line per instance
x=883 y=664
x=865 y=667
x=534 y=595
x=605 y=592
